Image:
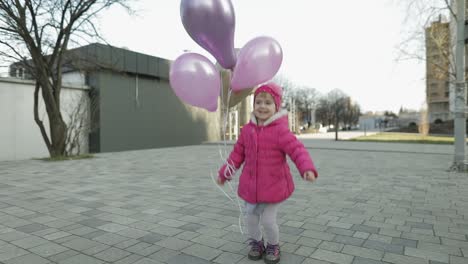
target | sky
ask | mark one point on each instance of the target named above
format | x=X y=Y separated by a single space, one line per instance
x=349 y=45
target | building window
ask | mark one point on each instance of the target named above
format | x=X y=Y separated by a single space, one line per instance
x=19 y=73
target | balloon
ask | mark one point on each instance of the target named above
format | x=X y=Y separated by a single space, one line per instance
x=195 y=81
x=211 y=24
x=235 y=97
x=258 y=61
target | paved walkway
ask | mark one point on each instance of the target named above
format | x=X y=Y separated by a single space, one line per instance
x=372 y=204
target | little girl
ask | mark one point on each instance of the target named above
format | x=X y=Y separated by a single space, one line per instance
x=266 y=179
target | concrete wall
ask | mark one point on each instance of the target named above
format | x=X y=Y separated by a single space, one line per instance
x=20 y=137
x=143 y=112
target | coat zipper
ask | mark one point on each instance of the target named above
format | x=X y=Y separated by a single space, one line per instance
x=256 y=167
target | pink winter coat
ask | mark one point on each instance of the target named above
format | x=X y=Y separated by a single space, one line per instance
x=266 y=177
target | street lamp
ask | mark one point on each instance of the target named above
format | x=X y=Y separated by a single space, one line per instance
x=460 y=164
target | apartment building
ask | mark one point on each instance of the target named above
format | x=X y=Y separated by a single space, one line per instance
x=438 y=50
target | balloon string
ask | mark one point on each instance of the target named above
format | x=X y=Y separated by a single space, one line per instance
x=230 y=168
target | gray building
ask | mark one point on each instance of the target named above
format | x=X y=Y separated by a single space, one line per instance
x=133 y=105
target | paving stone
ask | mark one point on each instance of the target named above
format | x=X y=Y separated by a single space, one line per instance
x=420 y=237
x=144 y=249
x=363 y=252
x=359 y=260
x=187 y=259
x=201 y=251
x=296 y=224
x=233 y=247
x=95 y=234
x=401 y=259
x=127 y=243
x=191 y=227
x=458 y=260
x=48 y=249
x=152 y=238
x=427 y=254
x=381 y=238
x=63 y=255
x=291 y=258
x=27 y=259
x=331 y=256
x=339 y=225
x=187 y=235
x=131 y=259
x=318 y=235
x=310 y=242
x=80 y=259
x=397 y=249
x=348 y=240
x=304 y=251
x=29 y=242
x=13 y=235
x=147 y=261
x=331 y=246
x=420 y=225
x=31 y=228
x=9 y=251
x=80 y=244
x=405 y=242
x=110 y=239
x=289 y=247
x=174 y=243
x=364 y=228
x=291 y=230
x=390 y=232
x=82 y=231
x=228 y=258
x=112 y=254
x=93 y=222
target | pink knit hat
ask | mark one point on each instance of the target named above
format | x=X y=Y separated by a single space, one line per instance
x=272 y=88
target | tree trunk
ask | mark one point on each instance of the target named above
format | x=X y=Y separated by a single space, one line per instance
x=56 y=143
x=336 y=125
x=336 y=130
x=58 y=131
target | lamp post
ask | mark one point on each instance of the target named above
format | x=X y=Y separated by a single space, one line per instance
x=460 y=164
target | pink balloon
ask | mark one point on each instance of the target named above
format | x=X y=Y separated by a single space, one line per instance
x=211 y=23
x=195 y=81
x=258 y=61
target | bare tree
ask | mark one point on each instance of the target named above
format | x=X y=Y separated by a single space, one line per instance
x=306 y=100
x=288 y=89
x=324 y=112
x=37 y=34
x=335 y=108
x=351 y=112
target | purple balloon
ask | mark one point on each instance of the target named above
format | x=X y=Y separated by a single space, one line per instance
x=258 y=61
x=195 y=81
x=211 y=24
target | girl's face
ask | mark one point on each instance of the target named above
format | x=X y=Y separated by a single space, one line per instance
x=264 y=107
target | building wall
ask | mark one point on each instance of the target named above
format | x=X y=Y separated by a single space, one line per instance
x=143 y=112
x=20 y=137
x=438 y=47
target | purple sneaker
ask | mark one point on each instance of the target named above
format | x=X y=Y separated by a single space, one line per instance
x=272 y=254
x=256 y=250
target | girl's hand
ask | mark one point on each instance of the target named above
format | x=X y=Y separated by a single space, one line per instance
x=219 y=181
x=309 y=176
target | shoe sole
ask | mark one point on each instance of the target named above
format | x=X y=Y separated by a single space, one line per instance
x=272 y=261
x=255 y=257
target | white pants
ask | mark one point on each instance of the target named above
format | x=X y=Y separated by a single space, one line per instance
x=262 y=214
